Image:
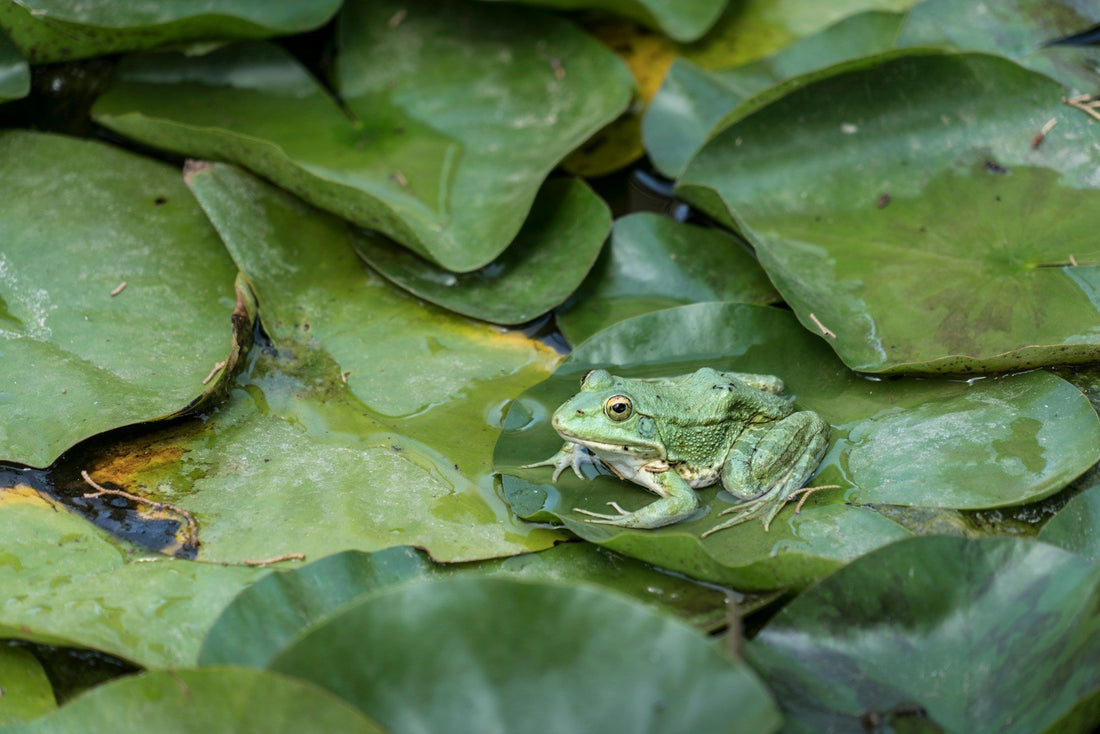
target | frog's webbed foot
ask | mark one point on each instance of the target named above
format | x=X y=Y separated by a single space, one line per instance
x=605 y=519
x=568 y=456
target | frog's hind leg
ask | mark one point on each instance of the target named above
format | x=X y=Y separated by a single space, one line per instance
x=677 y=502
x=770 y=461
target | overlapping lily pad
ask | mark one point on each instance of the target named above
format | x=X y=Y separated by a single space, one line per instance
x=908 y=442
x=116 y=295
x=1076 y=527
x=473 y=655
x=267 y=616
x=550 y=256
x=15 y=74
x=368 y=423
x=693 y=100
x=655 y=262
x=67 y=583
x=27 y=691
x=685 y=20
x=947 y=243
x=458 y=111
x=998 y=634
x=58 y=30
x=213 y=701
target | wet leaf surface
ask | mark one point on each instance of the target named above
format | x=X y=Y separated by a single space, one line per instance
x=961 y=194
x=116 y=295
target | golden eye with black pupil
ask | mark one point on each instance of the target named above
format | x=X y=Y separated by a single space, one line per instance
x=618 y=407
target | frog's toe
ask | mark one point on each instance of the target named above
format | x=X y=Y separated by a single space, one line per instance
x=765 y=507
x=607 y=519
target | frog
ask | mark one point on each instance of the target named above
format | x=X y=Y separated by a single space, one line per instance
x=673 y=435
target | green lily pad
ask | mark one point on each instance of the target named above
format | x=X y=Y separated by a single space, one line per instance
x=457 y=116
x=655 y=262
x=208 y=701
x=15 y=74
x=474 y=655
x=1076 y=527
x=692 y=100
x=116 y=295
x=684 y=21
x=369 y=422
x=58 y=30
x=996 y=634
x=929 y=443
x=550 y=256
x=268 y=615
x=67 y=583
x=924 y=246
x=26 y=689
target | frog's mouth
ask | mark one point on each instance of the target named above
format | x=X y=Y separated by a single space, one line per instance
x=639 y=450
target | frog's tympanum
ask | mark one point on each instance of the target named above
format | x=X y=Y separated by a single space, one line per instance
x=673 y=434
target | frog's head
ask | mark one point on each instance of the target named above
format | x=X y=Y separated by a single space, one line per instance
x=606 y=415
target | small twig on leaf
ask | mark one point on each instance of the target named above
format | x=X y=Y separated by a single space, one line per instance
x=1085 y=103
x=275 y=559
x=824 y=330
x=192 y=533
x=806 y=492
x=118 y=289
x=1042 y=134
x=217 y=368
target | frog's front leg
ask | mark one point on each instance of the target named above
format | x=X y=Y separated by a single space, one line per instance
x=768 y=462
x=569 y=455
x=677 y=502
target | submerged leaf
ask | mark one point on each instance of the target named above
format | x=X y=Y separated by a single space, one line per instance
x=995 y=635
x=116 y=296
x=457 y=117
x=475 y=655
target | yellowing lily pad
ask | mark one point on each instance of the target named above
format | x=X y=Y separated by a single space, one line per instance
x=450 y=117
x=368 y=422
x=116 y=295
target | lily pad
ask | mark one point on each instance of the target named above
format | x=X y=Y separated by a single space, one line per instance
x=67 y=583
x=924 y=246
x=116 y=295
x=996 y=634
x=1076 y=527
x=368 y=423
x=457 y=116
x=475 y=655
x=204 y=702
x=655 y=262
x=58 y=30
x=15 y=74
x=931 y=443
x=692 y=100
x=268 y=616
x=548 y=259
x=686 y=20
x=27 y=690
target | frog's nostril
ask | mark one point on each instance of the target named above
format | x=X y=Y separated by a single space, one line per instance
x=580 y=412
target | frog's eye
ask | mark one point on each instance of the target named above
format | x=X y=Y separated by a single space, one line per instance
x=618 y=408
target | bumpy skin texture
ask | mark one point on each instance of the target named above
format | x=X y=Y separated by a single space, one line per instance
x=673 y=434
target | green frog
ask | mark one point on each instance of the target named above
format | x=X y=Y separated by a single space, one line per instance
x=674 y=434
